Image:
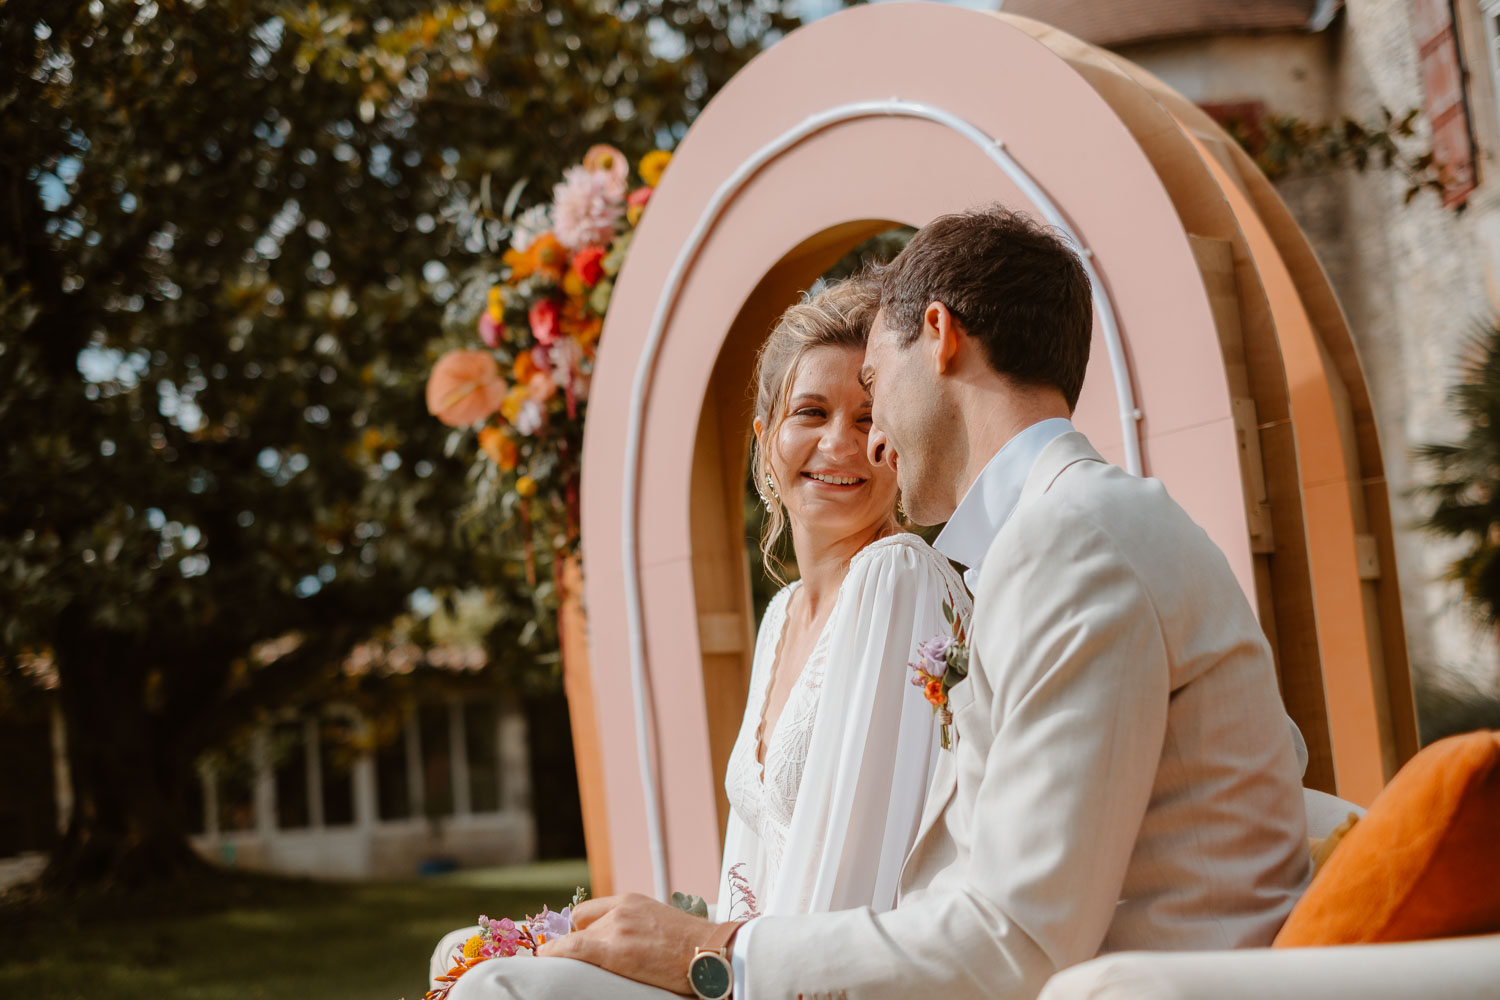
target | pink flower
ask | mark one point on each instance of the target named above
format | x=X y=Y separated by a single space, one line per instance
x=609 y=160
x=586 y=207
x=490 y=329
x=546 y=322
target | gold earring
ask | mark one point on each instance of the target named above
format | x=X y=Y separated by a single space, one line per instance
x=900 y=510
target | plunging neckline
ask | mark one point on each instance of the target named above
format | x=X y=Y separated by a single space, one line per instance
x=763 y=740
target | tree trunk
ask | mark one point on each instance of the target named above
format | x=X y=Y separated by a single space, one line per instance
x=128 y=828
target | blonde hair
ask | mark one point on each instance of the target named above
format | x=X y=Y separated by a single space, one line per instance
x=840 y=315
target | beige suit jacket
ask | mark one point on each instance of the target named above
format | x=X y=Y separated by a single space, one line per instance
x=1124 y=777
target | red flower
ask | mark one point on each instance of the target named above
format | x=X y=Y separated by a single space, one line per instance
x=589 y=263
x=546 y=322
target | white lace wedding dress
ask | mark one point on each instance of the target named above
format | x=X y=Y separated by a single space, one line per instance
x=828 y=820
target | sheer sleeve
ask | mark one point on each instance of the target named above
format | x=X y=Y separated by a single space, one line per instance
x=874 y=740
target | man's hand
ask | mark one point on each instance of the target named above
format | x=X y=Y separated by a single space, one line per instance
x=636 y=937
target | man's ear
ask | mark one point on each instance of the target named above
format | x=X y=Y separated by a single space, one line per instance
x=760 y=429
x=940 y=333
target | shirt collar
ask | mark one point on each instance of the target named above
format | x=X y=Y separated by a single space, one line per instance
x=993 y=497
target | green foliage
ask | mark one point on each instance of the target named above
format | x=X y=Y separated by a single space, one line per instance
x=230 y=234
x=1283 y=145
x=1465 y=479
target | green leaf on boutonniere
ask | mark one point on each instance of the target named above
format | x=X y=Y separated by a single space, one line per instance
x=948 y=612
x=690 y=904
x=958 y=660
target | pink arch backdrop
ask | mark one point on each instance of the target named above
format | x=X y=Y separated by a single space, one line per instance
x=1230 y=379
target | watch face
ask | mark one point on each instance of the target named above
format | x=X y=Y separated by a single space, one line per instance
x=710 y=977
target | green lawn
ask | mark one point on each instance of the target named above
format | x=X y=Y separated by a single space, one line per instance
x=264 y=940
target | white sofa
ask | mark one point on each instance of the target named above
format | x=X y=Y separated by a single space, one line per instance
x=1449 y=969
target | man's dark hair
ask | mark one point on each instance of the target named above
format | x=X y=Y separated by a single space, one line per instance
x=1016 y=286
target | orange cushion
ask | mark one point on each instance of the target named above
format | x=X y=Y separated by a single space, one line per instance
x=1423 y=863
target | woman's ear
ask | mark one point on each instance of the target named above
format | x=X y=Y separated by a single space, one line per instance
x=760 y=429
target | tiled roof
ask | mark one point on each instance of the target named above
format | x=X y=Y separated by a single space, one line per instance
x=1122 y=22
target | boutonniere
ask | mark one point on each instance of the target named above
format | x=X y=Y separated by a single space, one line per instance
x=942 y=662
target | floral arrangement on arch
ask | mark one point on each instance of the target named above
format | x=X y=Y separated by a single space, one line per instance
x=525 y=389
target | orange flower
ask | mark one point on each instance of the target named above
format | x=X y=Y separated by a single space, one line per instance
x=545 y=258
x=500 y=447
x=526 y=486
x=465 y=387
x=573 y=286
x=495 y=304
x=551 y=259
x=524 y=368
x=934 y=693
x=581 y=325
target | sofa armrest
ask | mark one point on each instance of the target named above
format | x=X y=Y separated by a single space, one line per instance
x=1453 y=968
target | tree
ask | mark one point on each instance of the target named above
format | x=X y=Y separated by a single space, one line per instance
x=230 y=232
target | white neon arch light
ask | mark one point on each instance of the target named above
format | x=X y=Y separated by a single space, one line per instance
x=994 y=148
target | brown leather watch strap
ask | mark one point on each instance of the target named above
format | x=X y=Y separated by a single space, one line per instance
x=722 y=935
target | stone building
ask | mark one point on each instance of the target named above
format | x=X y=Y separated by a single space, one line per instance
x=1415 y=277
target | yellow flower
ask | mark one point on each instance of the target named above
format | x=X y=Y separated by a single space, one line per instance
x=526 y=486
x=472 y=946
x=514 y=400
x=652 y=165
x=496 y=304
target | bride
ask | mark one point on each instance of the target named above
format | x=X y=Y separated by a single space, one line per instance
x=829 y=772
x=828 y=775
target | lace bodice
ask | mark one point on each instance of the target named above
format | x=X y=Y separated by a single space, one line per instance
x=764 y=798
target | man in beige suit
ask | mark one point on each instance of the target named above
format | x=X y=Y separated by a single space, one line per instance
x=1123 y=776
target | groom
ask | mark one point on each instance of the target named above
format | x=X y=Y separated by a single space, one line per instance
x=1123 y=776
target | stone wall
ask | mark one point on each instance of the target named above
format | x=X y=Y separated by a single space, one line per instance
x=1414 y=279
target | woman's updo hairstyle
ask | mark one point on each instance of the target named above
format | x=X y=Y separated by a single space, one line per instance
x=840 y=315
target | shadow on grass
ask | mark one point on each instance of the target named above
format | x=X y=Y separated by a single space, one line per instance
x=250 y=937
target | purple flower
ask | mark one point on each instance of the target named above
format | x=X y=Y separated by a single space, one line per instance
x=551 y=925
x=934 y=653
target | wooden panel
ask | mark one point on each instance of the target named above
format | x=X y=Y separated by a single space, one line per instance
x=1253 y=368
x=572 y=631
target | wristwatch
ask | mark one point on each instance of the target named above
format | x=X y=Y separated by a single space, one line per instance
x=709 y=973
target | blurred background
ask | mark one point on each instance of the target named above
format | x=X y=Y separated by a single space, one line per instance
x=280 y=693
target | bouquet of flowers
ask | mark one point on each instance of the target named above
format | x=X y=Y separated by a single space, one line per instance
x=942 y=662
x=524 y=389
x=505 y=938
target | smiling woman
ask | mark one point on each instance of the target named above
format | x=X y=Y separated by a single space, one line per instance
x=812 y=418
x=835 y=749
